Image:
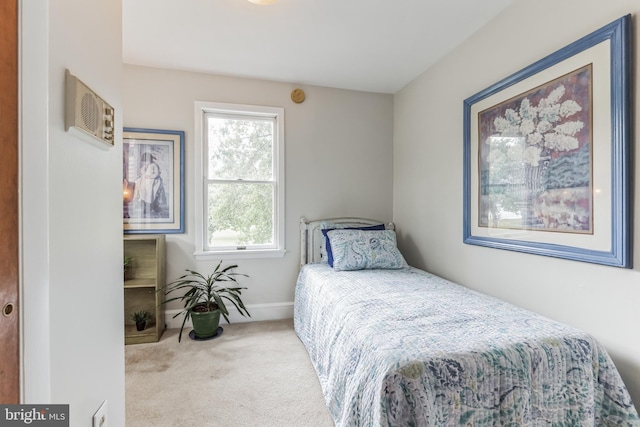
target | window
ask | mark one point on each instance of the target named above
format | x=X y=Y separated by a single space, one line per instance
x=239 y=181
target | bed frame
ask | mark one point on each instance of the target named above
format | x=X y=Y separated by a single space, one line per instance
x=436 y=337
x=311 y=237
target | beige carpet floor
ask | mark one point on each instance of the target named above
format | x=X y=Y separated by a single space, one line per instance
x=255 y=374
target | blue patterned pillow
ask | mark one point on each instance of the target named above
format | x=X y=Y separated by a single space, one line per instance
x=326 y=252
x=365 y=249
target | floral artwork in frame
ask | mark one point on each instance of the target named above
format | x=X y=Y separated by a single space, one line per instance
x=535 y=158
x=153 y=181
x=547 y=154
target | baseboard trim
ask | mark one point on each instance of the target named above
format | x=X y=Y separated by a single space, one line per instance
x=259 y=312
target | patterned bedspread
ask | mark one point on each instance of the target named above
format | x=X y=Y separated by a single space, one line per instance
x=407 y=348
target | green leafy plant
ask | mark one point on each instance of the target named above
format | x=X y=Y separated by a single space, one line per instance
x=127 y=262
x=141 y=316
x=202 y=293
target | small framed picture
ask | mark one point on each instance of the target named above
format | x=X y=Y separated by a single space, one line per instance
x=153 y=181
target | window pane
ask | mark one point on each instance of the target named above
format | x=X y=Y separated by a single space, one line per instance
x=240 y=148
x=240 y=214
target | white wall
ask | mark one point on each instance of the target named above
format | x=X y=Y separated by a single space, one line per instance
x=428 y=181
x=34 y=166
x=338 y=149
x=72 y=253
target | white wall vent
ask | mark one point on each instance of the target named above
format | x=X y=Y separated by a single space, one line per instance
x=86 y=112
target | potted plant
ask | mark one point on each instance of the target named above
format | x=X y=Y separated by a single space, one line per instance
x=204 y=299
x=127 y=263
x=141 y=317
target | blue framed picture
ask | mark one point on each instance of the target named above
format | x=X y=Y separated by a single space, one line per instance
x=153 y=181
x=547 y=154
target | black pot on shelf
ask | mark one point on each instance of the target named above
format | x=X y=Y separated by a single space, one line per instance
x=141 y=325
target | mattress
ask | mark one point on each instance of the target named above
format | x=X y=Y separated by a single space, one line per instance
x=408 y=348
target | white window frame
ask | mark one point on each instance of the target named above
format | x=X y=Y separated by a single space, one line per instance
x=200 y=159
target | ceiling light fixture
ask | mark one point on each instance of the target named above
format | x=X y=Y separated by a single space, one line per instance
x=263 y=2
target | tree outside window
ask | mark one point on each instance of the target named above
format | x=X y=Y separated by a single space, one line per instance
x=241 y=182
x=240 y=165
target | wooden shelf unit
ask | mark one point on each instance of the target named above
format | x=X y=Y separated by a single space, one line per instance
x=143 y=280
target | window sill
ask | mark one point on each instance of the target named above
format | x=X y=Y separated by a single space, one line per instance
x=243 y=254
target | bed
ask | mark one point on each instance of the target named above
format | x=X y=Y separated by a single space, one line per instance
x=402 y=347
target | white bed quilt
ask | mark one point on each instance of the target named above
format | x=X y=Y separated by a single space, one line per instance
x=407 y=348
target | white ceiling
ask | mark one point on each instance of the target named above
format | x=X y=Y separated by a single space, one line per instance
x=367 y=45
